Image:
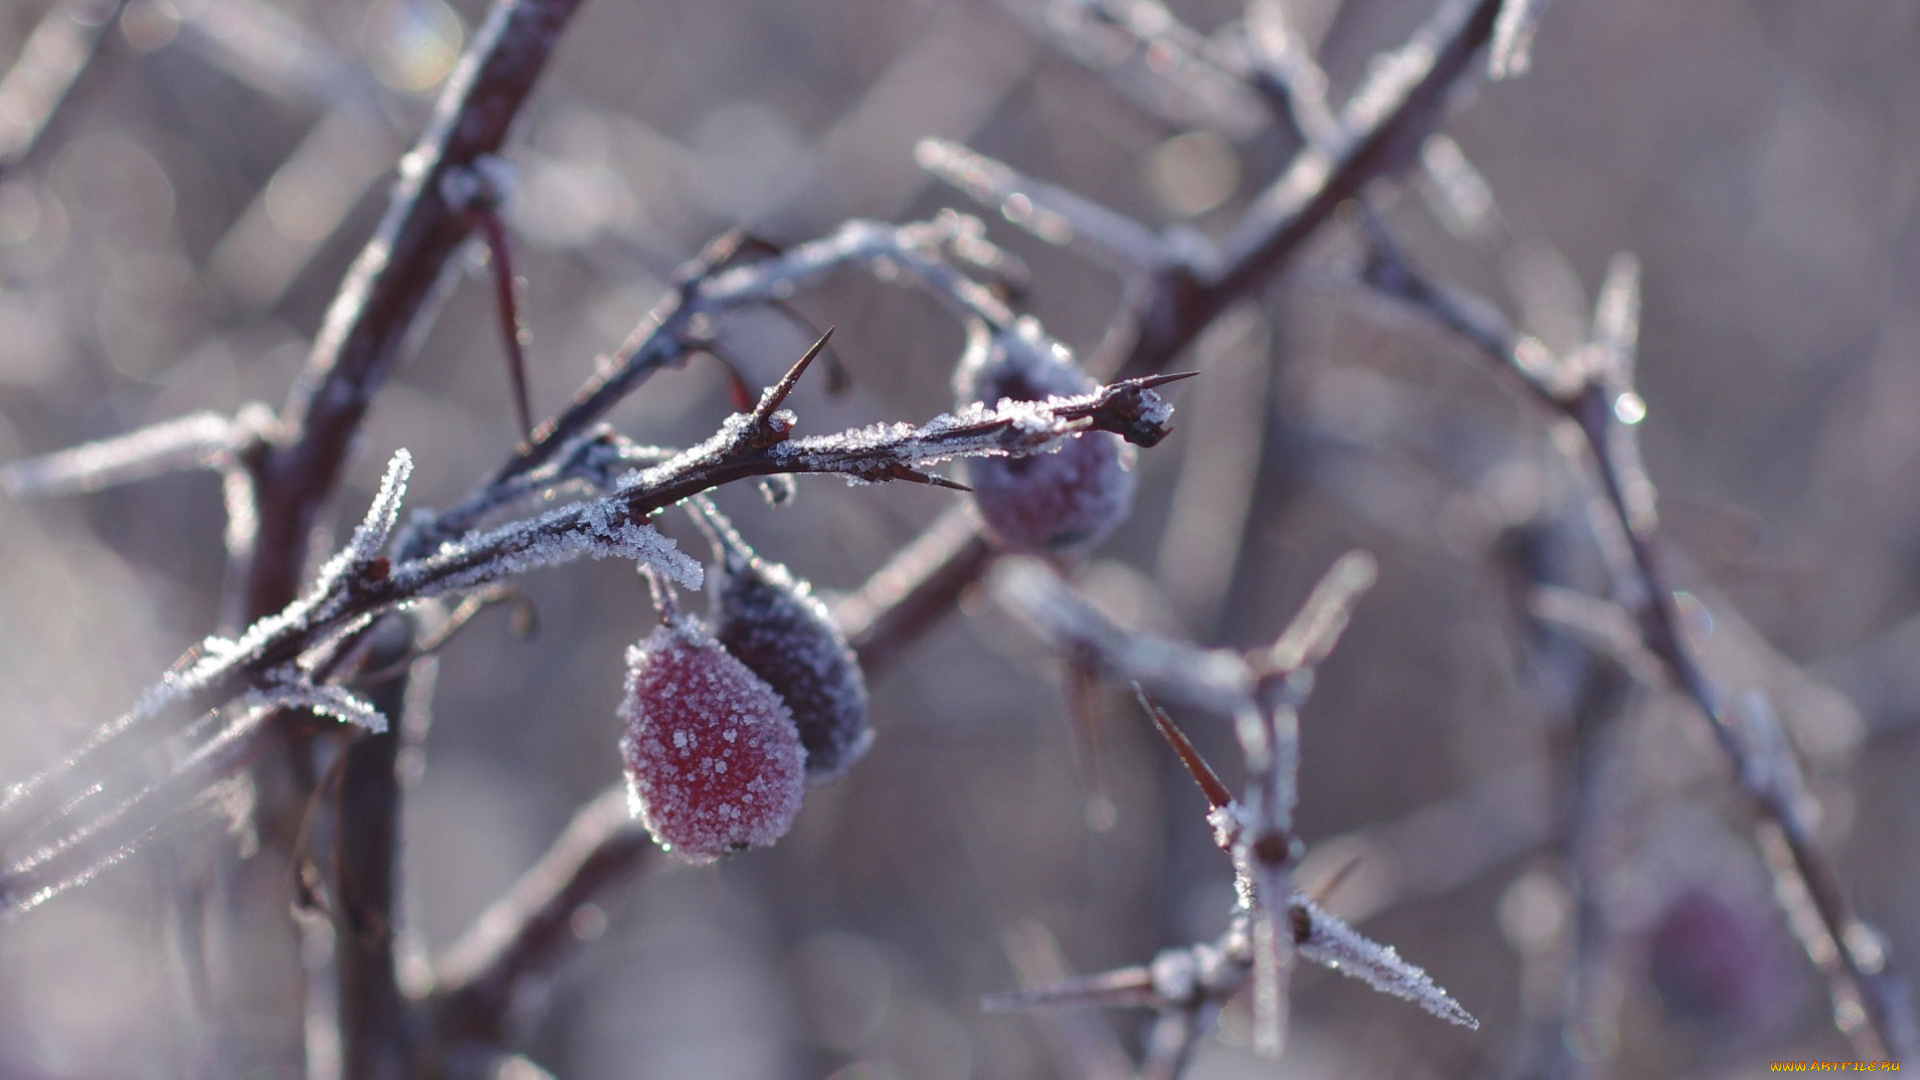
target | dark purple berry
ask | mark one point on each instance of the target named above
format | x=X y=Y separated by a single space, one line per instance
x=775 y=625
x=1069 y=498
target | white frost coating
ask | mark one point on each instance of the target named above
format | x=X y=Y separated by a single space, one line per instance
x=623 y=538
x=371 y=535
x=291 y=689
x=558 y=536
x=772 y=623
x=1332 y=943
x=911 y=254
x=700 y=792
x=1158 y=411
x=219 y=655
x=1016 y=427
x=1069 y=499
x=369 y=539
x=1230 y=823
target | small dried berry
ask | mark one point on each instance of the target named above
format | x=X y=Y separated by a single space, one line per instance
x=775 y=625
x=1721 y=962
x=714 y=763
x=1060 y=501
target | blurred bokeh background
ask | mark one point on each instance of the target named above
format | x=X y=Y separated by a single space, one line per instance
x=172 y=241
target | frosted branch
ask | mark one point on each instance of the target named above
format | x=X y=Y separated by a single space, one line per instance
x=1280 y=64
x=1325 y=940
x=722 y=279
x=1053 y=214
x=1163 y=65
x=1216 y=680
x=1317 y=628
x=296 y=690
x=1598 y=397
x=1211 y=973
x=200 y=441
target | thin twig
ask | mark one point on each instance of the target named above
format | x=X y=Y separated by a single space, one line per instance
x=524 y=932
x=62 y=47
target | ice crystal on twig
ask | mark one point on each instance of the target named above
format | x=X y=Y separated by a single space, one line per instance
x=1214 y=971
x=293 y=689
x=370 y=536
x=598 y=529
x=1331 y=943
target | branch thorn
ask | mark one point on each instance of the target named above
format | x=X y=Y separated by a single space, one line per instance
x=1197 y=767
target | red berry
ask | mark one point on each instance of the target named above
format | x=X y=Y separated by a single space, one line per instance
x=1069 y=498
x=775 y=625
x=714 y=763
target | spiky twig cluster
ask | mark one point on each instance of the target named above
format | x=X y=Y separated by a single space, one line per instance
x=1594 y=388
x=1260 y=693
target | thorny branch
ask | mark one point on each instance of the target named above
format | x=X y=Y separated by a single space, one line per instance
x=1259 y=692
x=442 y=553
x=723 y=279
x=387 y=289
x=1181 y=291
x=284 y=659
x=296 y=468
x=1594 y=390
x=1179 y=284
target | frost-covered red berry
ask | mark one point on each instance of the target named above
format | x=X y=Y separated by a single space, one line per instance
x=1069 y=498
x=775 y=625
x=714 y=762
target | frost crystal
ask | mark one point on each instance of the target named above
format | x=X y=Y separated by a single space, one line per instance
x=1329 y=942
x=370 y=536
x=220 y=656
x=292 y=689
x=595 y=529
